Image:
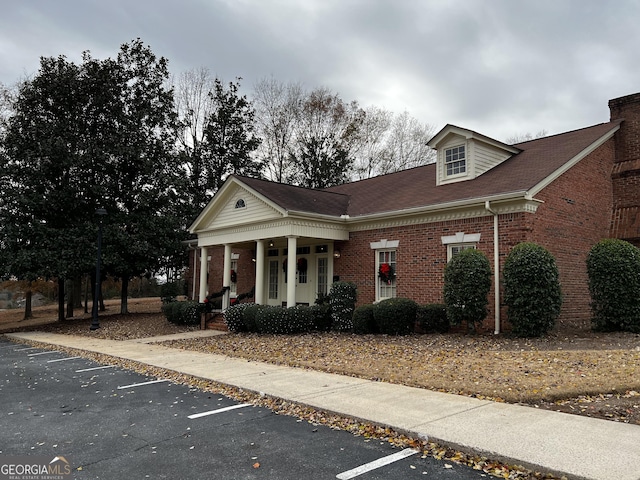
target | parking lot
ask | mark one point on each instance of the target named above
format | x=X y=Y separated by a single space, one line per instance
x=109 y=422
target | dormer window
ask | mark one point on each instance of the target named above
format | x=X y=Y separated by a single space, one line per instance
x=455 y=160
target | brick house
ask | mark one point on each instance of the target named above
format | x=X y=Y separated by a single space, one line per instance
x=564 y=192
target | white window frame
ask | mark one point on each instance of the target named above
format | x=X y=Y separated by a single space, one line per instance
x=447 y=164
x=460 y=241
x=385 y=246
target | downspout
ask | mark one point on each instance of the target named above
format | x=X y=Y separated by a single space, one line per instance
x=496 y=265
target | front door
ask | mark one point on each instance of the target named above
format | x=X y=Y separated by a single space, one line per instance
x=305 y=271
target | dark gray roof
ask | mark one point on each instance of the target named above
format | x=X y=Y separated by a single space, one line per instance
x=416 y=187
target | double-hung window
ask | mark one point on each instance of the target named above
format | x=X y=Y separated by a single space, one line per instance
x=455 y=161
x=386 y=274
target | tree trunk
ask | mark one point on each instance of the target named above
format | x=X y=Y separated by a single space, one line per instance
x=70 y=302
x=86 y=294
x=124 y=295
x=61 y=299
x=77 y=292
x=28 y=313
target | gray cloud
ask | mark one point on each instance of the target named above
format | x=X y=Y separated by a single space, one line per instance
x=496 y=66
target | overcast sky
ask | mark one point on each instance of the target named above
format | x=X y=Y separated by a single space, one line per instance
x=500 y=67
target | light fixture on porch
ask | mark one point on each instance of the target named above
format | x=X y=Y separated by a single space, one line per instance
x=270 y=243
x=336 y=254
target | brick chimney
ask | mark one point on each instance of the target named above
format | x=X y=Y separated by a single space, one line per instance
x=625 y=221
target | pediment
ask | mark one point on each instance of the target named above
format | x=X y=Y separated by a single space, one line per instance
x=235 y=204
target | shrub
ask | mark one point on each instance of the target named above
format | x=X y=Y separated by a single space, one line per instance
x=342 y=299
x=531 y=290
x=234 y=317
x=272 y=320
x=249 y=315
x=363 y=321
x=396 y=316
x=613 y=267
x=183 y=313
x=169 y=292
x=432 y=318
x=321 y=317
x=467 y=281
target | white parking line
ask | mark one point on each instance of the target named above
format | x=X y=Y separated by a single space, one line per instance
x=220 y=410
x=62 y=359
x=25 y=349
x=141 y=384
x=381 y=462
x=41 y=353
x=94 y=368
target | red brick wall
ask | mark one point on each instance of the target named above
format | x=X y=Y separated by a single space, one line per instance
x=574 y=216
x=625 y=220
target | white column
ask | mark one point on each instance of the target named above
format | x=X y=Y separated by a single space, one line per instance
x=226 y=276
x=292 y=245
x=259 y=292
x=331 y=250
x=204 y=268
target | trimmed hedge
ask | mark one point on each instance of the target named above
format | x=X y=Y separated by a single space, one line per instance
x=433 y=318
x=613 y=267
x=342 y=299
x=234 y=317
x=363 y=321
x=467 y=281
x=531 y=290
x=396 y=316
x=183 y=313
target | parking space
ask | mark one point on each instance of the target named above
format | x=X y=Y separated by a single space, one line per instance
x=109 y=422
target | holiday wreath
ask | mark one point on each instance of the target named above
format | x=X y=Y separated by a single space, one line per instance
x=386 y=273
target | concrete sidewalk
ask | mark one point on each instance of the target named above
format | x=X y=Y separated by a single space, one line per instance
x=576 y=446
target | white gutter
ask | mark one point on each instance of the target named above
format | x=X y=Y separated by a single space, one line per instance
x=496 y=266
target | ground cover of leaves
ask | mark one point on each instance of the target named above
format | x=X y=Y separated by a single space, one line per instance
x=579 y=372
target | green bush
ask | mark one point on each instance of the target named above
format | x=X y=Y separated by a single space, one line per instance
x=467 y=281
x=396 y=316
x=273 y=320
x=363 y=321
x=183 y=313
x=342 y=299
x=234 y=317
x=321 y=316
x=249 y=314
x=531 y=290
x=613 y=267
x=432 y=318
x=169 y=291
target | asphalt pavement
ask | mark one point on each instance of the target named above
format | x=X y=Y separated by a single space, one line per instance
x=572 y=445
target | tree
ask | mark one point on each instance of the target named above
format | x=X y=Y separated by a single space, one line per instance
x=194 y=108
x=406 y=145
x=229 y=138
x=277 y=107
x=525 y=137
x=371 y=148
x=46 y=192
x=98 y=134
x=144 y=174
x=326 y=132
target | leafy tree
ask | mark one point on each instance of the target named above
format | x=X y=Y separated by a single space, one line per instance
x=531 y=290
x=98 y=134
x=229 y=138
x=467 y=281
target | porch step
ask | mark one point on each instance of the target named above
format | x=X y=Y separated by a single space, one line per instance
x=213 y=321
